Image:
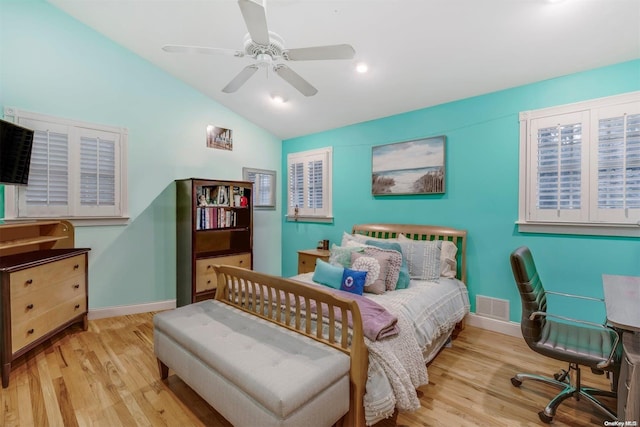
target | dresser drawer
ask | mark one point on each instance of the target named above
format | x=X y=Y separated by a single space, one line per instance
x=26 y=332
x=38 y=279
x=33 y=304
x=205 y=276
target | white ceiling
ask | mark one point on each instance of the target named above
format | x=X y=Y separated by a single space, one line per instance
x=420 y=52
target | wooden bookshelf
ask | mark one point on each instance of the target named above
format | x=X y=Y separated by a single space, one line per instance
x=214 y=226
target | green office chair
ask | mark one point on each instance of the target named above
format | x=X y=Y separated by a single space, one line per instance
x=569 y=340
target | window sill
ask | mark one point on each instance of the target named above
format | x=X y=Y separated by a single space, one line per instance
x=79 y=221
x=619 y=230
x=308 y=218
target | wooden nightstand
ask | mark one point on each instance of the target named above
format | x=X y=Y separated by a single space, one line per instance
x=307 y=259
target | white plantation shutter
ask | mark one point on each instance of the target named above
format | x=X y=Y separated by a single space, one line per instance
x=560 y=167
x=315 y=184
x=264 y=191
x=99 y=181
x=296 y=185
x=580 y=168
x=618 y=165
x=265 y=188
x=309 y=183
x=76 y=169
x=48 y=191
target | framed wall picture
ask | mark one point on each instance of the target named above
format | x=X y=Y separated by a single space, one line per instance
x=409 y=167
x=220 y=138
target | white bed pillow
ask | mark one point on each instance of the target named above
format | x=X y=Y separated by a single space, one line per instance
x=423 y=257
x=361 y=238
x=448 y=263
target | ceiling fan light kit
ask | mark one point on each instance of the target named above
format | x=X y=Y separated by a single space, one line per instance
x=278 y=98
x=267 y=48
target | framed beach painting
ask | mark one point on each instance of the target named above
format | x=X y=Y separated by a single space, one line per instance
x=410 y=167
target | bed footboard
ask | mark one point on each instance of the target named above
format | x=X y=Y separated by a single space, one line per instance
x=300 y=307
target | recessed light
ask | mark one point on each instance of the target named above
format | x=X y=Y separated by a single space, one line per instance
x=362 y=67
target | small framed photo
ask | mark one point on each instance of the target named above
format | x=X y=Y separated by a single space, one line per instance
x=220 y=138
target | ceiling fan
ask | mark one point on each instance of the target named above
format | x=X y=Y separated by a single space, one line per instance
x=267 y=47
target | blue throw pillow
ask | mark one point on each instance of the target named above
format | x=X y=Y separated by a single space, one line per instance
x=353 y=281
x=403 y=277
x=328 y=274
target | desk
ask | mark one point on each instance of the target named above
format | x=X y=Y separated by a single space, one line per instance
x=622 y=302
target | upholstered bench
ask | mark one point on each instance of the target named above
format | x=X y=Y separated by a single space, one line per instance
x=252 y=371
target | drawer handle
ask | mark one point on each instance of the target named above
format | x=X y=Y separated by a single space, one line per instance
x=77 y=266
x=30 y=331
x=209 y=266
x=208 y=282
x=28 y=282
x=76 y=286
x=30 y=307
x=77 y=306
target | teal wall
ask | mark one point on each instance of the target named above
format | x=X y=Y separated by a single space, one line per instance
x=52 y=64
x=481 y=188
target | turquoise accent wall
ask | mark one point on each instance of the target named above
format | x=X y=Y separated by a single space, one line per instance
x=52 y=64
x=481 y=189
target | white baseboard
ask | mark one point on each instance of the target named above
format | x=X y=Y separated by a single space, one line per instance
x=124 y=310
x=501 y=326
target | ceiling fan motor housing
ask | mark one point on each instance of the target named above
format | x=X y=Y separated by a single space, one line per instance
x=275 y=48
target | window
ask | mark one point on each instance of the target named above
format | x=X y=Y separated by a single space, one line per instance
x=77 y=170
x=264 y=187
x=580 y=168
x=309 y=185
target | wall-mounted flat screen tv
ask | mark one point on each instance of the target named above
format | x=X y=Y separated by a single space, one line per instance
x=15 y=153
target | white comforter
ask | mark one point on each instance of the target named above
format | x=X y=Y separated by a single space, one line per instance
x=425 y=310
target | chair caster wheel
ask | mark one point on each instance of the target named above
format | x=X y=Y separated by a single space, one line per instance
x=545 y=418
x=561 y=376
x=516 y=382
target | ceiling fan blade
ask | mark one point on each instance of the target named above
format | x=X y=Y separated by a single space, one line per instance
x=294 y=79
x=240 y=79
x=255 y=17
x=338 y=51
x=178 y=48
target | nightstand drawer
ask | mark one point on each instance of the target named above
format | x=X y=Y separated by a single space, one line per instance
x=307 y=259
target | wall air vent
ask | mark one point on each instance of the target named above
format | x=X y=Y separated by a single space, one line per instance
x=492 y=307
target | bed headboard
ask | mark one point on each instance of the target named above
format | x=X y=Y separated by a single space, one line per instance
x=422 y=232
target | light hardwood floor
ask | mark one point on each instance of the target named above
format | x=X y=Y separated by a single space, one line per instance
x=108 y=377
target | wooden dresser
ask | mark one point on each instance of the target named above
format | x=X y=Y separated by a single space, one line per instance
x=43 y=286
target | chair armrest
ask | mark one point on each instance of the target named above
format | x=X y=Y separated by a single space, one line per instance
x=602 y=364
x=584 y=322
x=562 y=294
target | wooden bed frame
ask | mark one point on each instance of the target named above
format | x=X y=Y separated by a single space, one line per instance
x=279 y=300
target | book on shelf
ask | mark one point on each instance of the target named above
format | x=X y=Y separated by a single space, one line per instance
x=211 y=217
